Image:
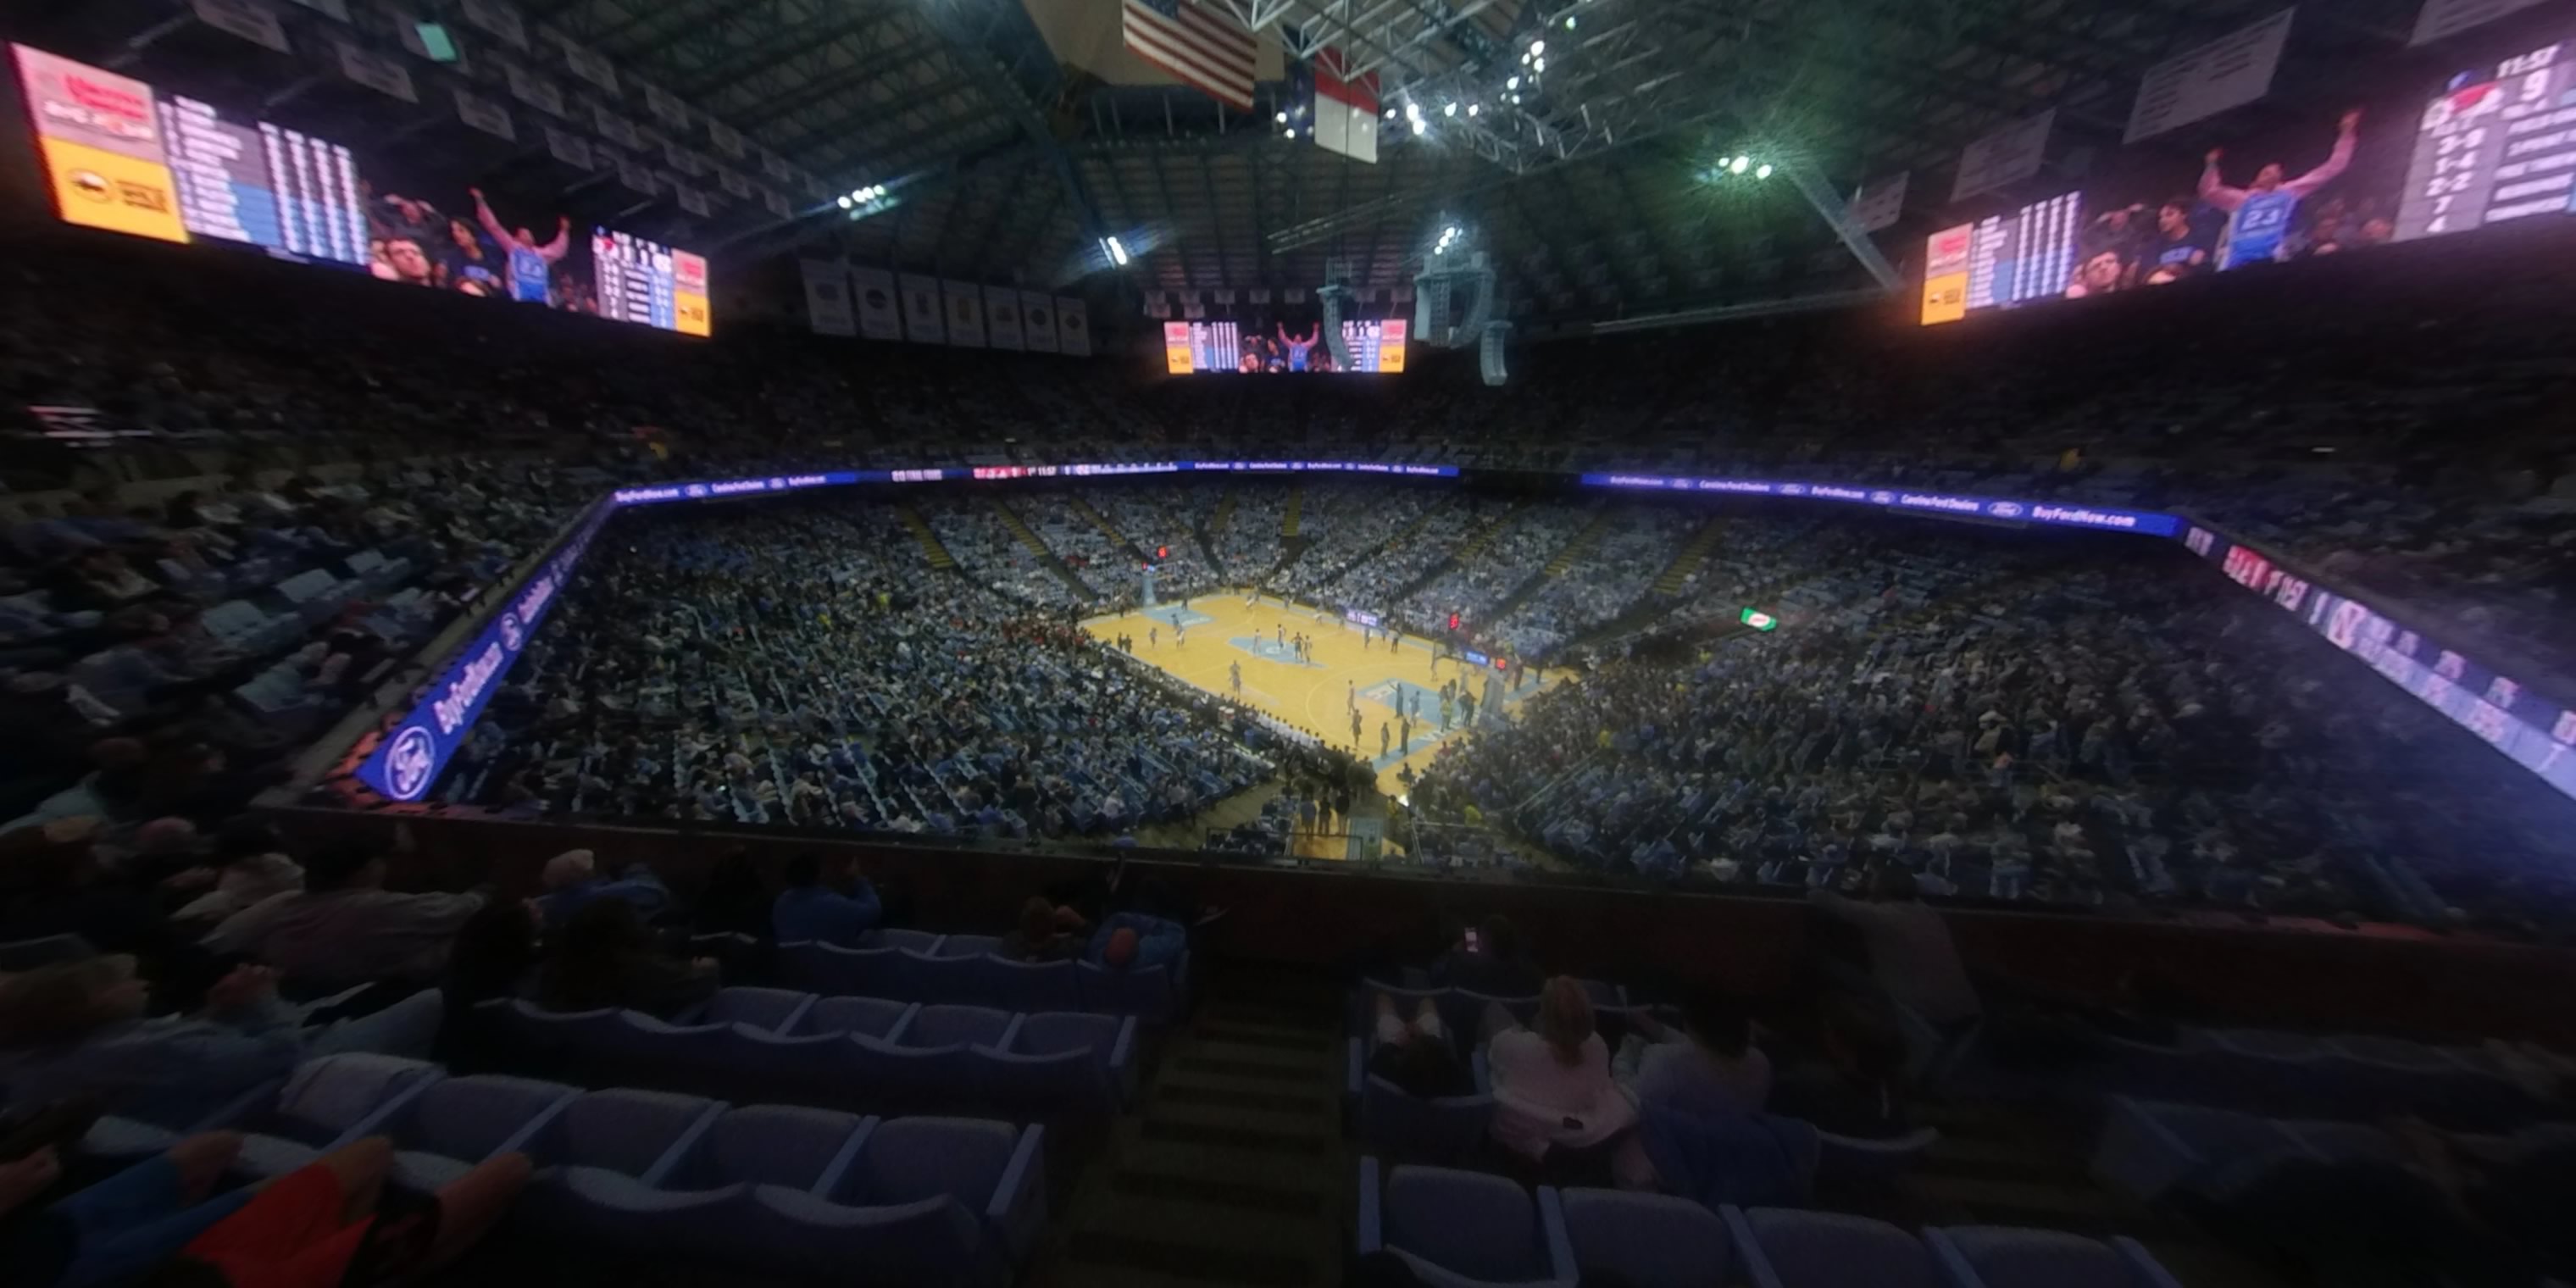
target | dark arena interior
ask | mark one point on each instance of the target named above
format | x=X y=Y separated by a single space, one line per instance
x=848 y=763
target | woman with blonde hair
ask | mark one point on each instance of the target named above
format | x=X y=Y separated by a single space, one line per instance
x=1552 y=1085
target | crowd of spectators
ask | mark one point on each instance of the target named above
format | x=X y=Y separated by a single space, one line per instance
x=2018 y=722
x=1478 y=583
x=1249 y=546
x=1345 y=525
x=797 y=666
x=1603 y=581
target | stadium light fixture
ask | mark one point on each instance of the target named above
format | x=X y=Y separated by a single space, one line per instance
x=1418 y=128
x=1448 y=109
x=1538 y=64
x=1116 y=250
x=1390 y=114
x=1291 y=131
x=1283 y=118
x=1739 y=165
x=846 y=203
x=1472 y=109
x=1538 y=49
x=1762 y=171
x=1569 y=22
x=1513 y=83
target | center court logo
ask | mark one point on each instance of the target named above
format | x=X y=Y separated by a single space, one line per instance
x=408 y=764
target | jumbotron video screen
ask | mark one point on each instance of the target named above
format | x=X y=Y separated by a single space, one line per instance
x=1377 y=347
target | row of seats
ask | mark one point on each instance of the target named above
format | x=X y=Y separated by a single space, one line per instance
x=865 y=1053
x=920 y=967
x=1465 y=1228
x=1462 y=1010
x=802 y=1192
x=2348 y=1077
x=2149 y=1149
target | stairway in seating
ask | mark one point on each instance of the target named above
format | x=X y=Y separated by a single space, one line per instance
x=1296 y=509
x=936 y=553
x=1556 y=567
x=1212 y=534
x=1107 y=529
x=1694 y=553
x=1037 y=546
x=1234 y=1172
x=1466 y=550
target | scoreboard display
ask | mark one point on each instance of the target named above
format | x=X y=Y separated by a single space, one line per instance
x=1376 y=346
x=648 y=283
x=2499 y=148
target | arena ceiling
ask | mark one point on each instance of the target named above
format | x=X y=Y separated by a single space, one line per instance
x=1009 y=154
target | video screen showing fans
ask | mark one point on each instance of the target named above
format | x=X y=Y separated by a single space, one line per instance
x=1377 y=347
x=123 y=157
x=2495 y=143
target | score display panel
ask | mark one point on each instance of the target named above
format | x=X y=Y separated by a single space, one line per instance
x=123 y=157
x=2500 y=148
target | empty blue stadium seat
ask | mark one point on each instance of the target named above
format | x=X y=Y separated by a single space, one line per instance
x=1471 y=1225
x=872 y=1016
x=459 y=1122
x=996 y=1172
x=1987 y=1256
x=622 y=1130
x=775 y=1009
x=770 y=1145
x=1647 y=1240
x=953 y=1025
x=1026 y=986
x=1789 y=1248
x=326 y=1102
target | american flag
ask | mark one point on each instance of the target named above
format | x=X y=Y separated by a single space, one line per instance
x=1205 y=49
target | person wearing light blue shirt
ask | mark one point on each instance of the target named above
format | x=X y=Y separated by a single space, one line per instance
x=573 y=883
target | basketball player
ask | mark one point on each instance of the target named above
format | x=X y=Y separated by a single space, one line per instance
x=1236 y=670
x=1354 y=687
x=1180 y=636
x=1153 y=637
x=2259 y=215
x=1384 y=737
x=530 y=263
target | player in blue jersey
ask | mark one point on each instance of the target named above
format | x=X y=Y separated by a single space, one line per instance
x=530 y=263
x=1298 y=349
x=2259 y=215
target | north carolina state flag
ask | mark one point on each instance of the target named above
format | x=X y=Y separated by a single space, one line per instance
x=1345 y=106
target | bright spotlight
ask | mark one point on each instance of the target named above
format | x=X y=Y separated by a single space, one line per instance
x=1538 y=49
x=1569 y=22
x=1448 y=109
x=1291 y=131
x=846 y=203
x=1283 y=118
x=1472 y=109
x=1413 y=111
x=1538 y=64
x=1418 y=126
x=1739 y=165
x=1513 y=83
x=1762 y=171
x=1117 y=250
x=1390 y=114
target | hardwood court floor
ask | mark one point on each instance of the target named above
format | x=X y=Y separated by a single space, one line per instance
x=1319 y=695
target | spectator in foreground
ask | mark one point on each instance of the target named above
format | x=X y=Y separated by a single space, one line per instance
x=1044 y=933
x=326 y=1224
x=495 y=957
x=608 y=959
x=1911 y=957
x=80 y=1027
x=1552 y=1086
x=119 y=1227
x=1416 y=1054
x=1494 y=963
x=1855 y=1087
x=1709 y=1068
x=812 y=907
x=1135 y=941
x=347 y=929
x=572 y=881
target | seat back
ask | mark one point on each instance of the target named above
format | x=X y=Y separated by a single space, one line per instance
x=933 y=1241
x=1829 y=1249
x=767 y=1145
x=1149 y=994
x=952 y=1025
x=650 y=1052
x=932 y=977
x=761 y=1008
x=1397 y=1124
x=471 y=1117
x=1470 y=1223
x=834 y=971
x=605 y=1208
x=920 y=941
x=967 y=945
x=622 y=1130
x=1062 y=1084
x=2006 y=1257
x=874 y=1016
x=1647 y=1240
x=328 y=1096
x=883 y=1075
x=796 y=1068
x=910 y=1159
x=1028 y=986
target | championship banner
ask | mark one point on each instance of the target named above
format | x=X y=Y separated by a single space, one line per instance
x=1879 y=203
x=499 y=19
x=872 y=290
x=2007 y=156
x=778 y=204
x=827 y=297
x=692 y=201
x=455 y=57
x=1037 y=321
x=665 y=108
x=588 y=65
x=776 y=167
x=1945 y=275
x=2230 y=71
x=634 y=175
x=1002 y=317
x=2441 y=19
x=534 y=90
x=726 y=140
x=734 y=184
x=924 y=321
x=1072 y=326
x=377 y=72
x=485 y=115
x=335 y=10
x=106 y=159
x=683 y=161
x=616 y=129
x=248 y=19
x=569 y=148
x=965 y=313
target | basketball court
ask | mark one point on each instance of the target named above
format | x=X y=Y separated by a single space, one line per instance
x=1343 y=672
